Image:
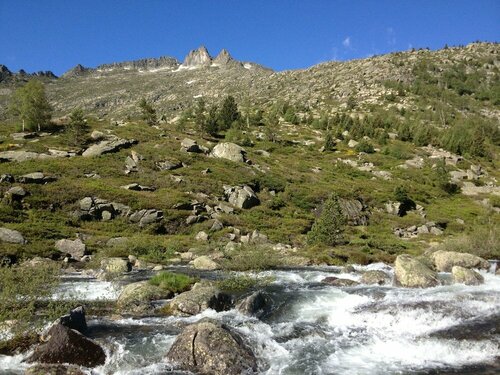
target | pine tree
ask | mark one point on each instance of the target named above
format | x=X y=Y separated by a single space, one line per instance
x=211 y=125
x=199 y=115
x=328 y=229
x=77 y=127
x=148 y=112
x=228 y=113
x=330 y=142
x=30 y=104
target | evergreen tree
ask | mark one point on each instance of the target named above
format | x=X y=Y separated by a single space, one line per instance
x=228 y=113
x=30 y=104
x=211 y=125
x=330 y=142
x=148 y=112
x=199 y=115
x=77 y=128
x=328 y=229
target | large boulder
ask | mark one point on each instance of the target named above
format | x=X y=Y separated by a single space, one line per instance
x=229 y=151
x=137 y=298
x=75 y=248
x=108 y=146
x=53 y=369
x=466 y=276
x=205 y=263
x=75 y=319
x=94 y=208
x=339 y=282
x=190 y=145
x=201 y=297
x=115 y=266
x=20 y=156
x=355 y=211
x=145 y=217
x=35 y=178
x=209 y=347
x=411 y=273
x=375 y=277
x=11 y=236
x=241 y=196
x=65 y=345
x=445 y=260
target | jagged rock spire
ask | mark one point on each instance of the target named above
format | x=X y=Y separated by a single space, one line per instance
x=223 y=58
x=198 y=57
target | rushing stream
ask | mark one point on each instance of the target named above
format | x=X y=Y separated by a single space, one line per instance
x=320 y=329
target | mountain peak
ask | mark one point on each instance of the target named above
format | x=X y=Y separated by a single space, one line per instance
x=223 y=57
x=198 y=57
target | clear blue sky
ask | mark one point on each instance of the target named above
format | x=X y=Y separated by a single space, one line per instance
x=58 y=34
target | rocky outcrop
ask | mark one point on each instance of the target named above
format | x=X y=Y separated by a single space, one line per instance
x=201 y=297
x=198 y=57
x=223 y=58
x=209 y=347
x=241 y=196
x=136 y=187
x=11 y=236
x=445 y=260
x=410 y=272
x=93 y=208
x=75 y=248
x=136 y=298
x=35 y=178
x=74 y=320
x=375 y=277
x=108 y=146
x=77 y=71
x=416 y=230
x=20 y=156
x=168 y=165
x=355 y=211
x=466 y=276
x=65 y=345
x=190 y=145
x=145 y=217
x=229 y=151
x=53 y=369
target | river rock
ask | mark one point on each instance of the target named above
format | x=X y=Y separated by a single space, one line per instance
x=74 y=320
x=201 y=297
x=466 y=276
x=66 y=345
x=209 y=347
x=258 y=304
x=335 y=281
x=229 y=151
x=108 y=146
x=116 y=266
x=11 y=236
x=241 y=196
x=411 y=273
x=136 y=298
x=205 y=263
x=375 y=277
x=445 y=260
x=75 y=248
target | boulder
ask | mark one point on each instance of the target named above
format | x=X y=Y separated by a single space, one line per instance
x=11 y=236
x=75 y=248
x=241 y=196
x=136 y=298
x=229 y=151
x=445 y=260
x=411 y=273
x=7 y=178
x=74 y=320
x=53 y=369
x=168 y=165
x=35 y=178
x=201 y=297
x=205 y=263
x=355 y=211
x=189 y=145
x=93 y=208
x=335 y=281
x=258 y=304
x=136 y=187
x=375 y=277
x=66 y=345
x=116 y=266
x=15 y=194
x=466 y=276
x=209 y=347
x=201 y=236
x=108 y=146
x=20 y=156
x=145 y=217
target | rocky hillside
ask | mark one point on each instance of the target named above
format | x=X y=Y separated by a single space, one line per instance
x=114 y=89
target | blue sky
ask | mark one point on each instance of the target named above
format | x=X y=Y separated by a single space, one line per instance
x=58 y=34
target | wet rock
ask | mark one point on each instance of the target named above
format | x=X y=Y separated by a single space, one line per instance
x=201 y=297
x=35 y=178
x=66 y=345
x=53 y=369
x=375 y=277
x=258 y=304
x=205 y=263
x=74 y=320
x=136 y=298
x=11 y=236
x=108 y=146
x=229 y=151
x=209 y=347
x=466 y=276
x=411 y=273
x=116 y=266
x=335 y=281
x=75 y=248
x=445 y=260
x=241 y=196
x=189 y=145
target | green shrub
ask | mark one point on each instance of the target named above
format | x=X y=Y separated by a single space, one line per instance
x=174 y=282
x=252 y=258
x=365 y=146
x=328 y=228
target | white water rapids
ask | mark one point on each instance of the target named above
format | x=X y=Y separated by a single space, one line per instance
x=321 y=329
